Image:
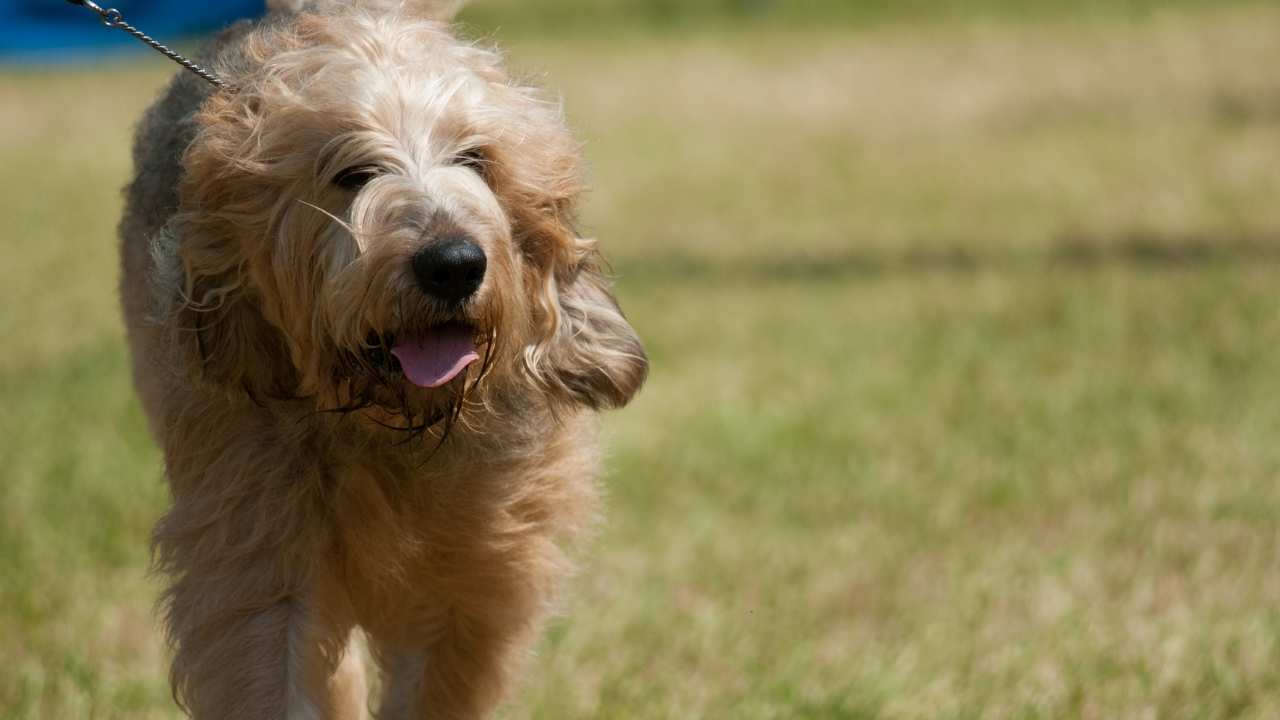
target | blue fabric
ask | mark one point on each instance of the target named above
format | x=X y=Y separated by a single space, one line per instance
x=52 y=30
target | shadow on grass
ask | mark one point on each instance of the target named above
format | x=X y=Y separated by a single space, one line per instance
x=1138 y=250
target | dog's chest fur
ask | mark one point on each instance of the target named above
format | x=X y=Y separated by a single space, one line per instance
x=401 y=526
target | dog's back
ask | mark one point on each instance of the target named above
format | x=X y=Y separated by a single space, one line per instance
x=151 y=199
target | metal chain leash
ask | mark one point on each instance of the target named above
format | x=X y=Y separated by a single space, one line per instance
x=112 y=18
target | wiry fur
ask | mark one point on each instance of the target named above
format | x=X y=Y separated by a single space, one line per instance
x=315 y=491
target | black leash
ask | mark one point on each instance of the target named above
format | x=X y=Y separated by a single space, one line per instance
x=113 y=19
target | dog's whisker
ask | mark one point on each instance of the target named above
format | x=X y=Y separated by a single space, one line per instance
x=337 y=220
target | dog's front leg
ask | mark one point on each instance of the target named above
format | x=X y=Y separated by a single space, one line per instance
x=263 y=662
x=453 y=659
x=258 y=624
x=460 y=674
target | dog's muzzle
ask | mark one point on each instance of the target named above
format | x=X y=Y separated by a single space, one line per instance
x=449 y=270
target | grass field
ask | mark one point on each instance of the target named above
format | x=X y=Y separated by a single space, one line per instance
x=966 y=376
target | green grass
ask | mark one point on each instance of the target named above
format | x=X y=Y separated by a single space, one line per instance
x=963 y=405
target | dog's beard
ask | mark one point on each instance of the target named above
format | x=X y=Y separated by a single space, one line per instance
x=416 y=382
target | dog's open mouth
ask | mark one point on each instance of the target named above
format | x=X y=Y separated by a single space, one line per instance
x=436 y=356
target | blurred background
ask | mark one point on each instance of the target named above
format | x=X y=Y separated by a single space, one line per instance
x=966 y=360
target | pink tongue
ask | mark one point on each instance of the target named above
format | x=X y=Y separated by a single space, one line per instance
x=436 y=359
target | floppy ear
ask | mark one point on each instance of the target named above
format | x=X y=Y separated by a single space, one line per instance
x=227 y=331
x=224 y=338
x=595 y=358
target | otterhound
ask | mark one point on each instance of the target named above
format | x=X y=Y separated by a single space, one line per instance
x=372 y=347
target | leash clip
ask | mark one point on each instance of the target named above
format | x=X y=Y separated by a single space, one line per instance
x=114 y=19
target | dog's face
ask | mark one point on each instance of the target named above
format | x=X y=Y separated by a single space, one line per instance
x=376 y=215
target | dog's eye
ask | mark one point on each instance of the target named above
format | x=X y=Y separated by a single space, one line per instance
x=473 y=159
x=354 y=178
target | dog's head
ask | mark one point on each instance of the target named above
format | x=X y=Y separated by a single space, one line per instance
x=377 y=215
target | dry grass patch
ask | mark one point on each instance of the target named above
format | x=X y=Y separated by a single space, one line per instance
x=1012 y=136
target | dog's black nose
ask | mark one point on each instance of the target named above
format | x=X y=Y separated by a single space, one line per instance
x=451 y=268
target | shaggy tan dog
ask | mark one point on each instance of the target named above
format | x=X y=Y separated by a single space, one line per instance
x=372 y=347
